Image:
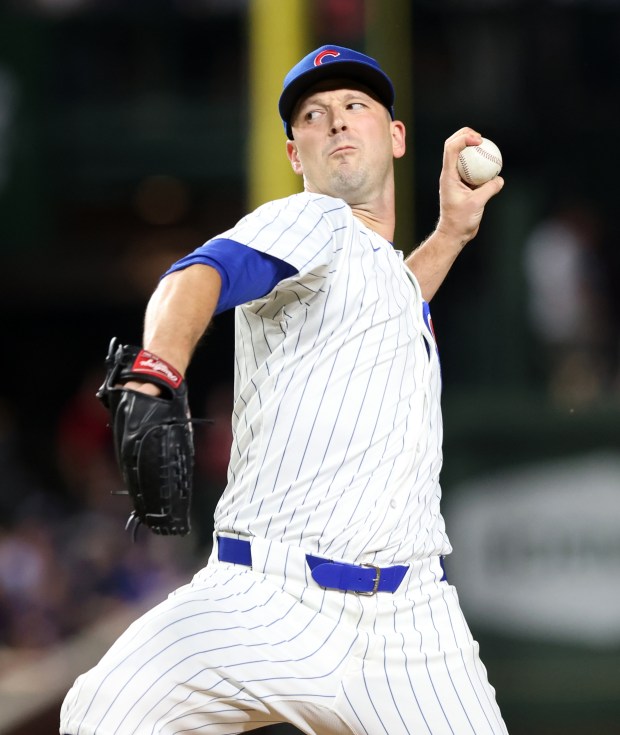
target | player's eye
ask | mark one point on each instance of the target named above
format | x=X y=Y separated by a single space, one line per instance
x=311 y=114
x=356 y=106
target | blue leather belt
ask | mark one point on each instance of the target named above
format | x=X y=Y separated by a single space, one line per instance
x=365 y=579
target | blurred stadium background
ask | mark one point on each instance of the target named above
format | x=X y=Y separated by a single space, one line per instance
x=130 y=132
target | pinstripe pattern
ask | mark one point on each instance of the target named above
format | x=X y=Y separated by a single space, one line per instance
x=337 y=453
x=337 y=427
x=238 y=648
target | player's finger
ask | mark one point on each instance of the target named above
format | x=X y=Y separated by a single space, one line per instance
x=463 y=137
x=455 y=144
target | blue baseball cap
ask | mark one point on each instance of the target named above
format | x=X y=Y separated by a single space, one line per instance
x=333 y=62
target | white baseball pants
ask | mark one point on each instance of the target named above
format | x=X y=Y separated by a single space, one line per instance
x=240 y=648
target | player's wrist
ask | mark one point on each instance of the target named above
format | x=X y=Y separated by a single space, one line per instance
x=450 y=237
x=150 y=389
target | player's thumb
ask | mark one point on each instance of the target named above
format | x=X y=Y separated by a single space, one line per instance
x=492 y=187
x=487 y=191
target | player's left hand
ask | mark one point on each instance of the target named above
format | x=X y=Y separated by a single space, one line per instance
x=461 y=207
x=153 y=437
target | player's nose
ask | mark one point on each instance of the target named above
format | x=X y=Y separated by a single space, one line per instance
x=338 y=128
x=337 y=122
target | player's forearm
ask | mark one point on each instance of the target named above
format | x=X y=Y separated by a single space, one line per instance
x=179 y=312
x=460 y=213
x=431 y=261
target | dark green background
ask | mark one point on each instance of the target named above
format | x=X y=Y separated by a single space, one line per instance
x=102 y=99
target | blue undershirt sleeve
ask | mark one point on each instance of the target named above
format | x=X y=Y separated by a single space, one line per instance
x=246 y=274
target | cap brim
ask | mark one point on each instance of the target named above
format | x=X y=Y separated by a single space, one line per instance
x=365 y=74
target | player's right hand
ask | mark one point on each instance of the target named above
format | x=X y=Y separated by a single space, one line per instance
x=461 y=207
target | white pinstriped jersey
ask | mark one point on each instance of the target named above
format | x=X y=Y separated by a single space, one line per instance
x=336 y=452
x=337 y=420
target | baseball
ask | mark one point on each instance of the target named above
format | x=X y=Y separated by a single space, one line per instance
x=478 y=164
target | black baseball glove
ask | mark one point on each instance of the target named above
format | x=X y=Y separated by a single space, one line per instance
x=153 y=438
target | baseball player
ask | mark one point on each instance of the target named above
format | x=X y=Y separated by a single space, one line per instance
x=324 y=603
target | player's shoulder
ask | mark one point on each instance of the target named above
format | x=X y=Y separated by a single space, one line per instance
x=303 y=204
x=298 y=213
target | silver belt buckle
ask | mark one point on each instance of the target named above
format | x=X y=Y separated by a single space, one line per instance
x=376 y=580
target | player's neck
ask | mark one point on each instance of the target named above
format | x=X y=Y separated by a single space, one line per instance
x=374 y=206
x=378 y=209
x=383 y=226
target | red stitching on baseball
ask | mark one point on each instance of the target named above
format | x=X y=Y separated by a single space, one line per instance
x=465 y=169
x=488 y=155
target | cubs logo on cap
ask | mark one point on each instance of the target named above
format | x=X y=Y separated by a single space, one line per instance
x=333 y=62
x=318 y=59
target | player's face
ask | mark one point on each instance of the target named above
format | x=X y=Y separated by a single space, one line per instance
x=344 y=142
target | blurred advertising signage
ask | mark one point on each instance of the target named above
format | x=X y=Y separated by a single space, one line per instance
x=537 y=549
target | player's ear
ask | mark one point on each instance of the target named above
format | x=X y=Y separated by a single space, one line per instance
x=398 y=138
x=293 y=157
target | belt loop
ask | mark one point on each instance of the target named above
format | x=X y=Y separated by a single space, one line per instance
x=234 y=550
